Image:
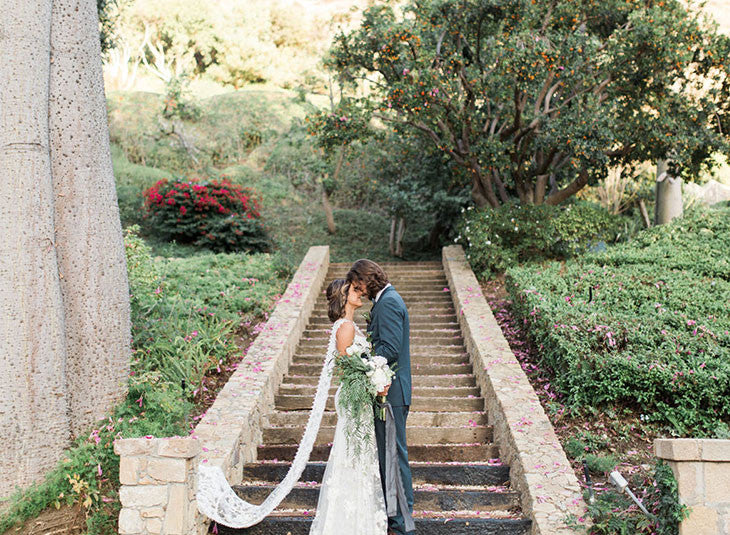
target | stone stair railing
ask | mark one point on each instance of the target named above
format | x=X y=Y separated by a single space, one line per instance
x=539 y=468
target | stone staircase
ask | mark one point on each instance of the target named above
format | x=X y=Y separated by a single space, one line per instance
x=460 y=485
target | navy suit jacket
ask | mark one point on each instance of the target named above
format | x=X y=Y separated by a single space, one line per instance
x=389 y=328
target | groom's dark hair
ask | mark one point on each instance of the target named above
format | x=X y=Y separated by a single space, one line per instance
x=370 y=273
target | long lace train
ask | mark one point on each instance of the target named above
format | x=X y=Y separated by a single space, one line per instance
x=217 y=500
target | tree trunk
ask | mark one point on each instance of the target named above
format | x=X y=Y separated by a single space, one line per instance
x=33 y=408
x=325 y=195
x=328 y=211
x=391 y=240
x=399 y=238
x=668 y=195
x=644 y=213
x=90 y=247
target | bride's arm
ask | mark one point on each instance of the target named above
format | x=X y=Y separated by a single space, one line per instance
x=345 y=335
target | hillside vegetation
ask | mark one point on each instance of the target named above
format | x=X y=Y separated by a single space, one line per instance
x=256 y=138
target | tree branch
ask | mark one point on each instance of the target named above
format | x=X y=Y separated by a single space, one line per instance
x=571 y=189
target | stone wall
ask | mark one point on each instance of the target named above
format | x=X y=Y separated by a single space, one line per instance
x=158 y=475
x=539 y=469
x=702 y=470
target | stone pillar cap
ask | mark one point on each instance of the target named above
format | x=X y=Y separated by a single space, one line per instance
x=692 y=449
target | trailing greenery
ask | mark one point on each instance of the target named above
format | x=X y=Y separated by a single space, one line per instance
x=184 y=314
x=496 y=239
x=644 y=324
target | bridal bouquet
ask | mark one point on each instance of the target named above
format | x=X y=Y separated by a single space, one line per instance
x=362 y=376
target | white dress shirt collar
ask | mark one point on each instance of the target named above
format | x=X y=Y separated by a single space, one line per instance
x=381 y=292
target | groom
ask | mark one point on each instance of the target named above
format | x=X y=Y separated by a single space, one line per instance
x=390 y=330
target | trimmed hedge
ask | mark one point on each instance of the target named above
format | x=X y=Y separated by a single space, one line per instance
x=645 y=324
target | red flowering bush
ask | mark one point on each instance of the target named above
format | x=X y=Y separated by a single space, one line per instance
x=213 y=213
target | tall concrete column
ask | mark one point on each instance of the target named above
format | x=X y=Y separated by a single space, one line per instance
x=34 y=425
x=88 y=230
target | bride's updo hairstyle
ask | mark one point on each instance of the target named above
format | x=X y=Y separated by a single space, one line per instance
x=337 y=299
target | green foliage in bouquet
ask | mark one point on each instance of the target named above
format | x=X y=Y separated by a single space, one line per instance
x=355 y=397
x=216 y=214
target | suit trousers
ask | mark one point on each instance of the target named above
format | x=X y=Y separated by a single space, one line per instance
x=400 y=415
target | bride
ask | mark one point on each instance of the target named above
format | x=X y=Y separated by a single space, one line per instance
x=351 y=496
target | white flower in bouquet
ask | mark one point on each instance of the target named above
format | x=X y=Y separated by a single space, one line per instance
x=380 y=374
x=358 y=348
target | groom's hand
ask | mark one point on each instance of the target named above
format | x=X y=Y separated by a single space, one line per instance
x=384 y=392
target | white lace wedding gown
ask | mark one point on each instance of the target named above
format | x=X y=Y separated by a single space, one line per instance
x=351 y=497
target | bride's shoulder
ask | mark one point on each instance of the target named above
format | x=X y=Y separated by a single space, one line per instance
x=344 y=327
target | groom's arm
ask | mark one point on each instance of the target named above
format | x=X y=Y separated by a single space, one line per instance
x=390 y=326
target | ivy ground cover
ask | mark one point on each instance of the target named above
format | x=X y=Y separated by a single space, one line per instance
x=644 y=325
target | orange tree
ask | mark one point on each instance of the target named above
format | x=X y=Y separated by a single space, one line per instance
x=535 y=98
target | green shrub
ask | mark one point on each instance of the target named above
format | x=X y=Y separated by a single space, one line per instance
x=644 y=325
x=496 y=239
x=131 y=181
x=581 y=226
x=614 y=513
x=178 y=102
x=216 y=214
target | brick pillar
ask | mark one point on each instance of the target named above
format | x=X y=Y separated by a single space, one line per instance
x=158 y=480
x=702 y=470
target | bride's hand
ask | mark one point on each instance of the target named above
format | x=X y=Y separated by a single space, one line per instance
x=384 y=392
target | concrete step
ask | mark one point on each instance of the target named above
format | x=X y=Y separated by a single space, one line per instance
x=418 y=391
x=416 y=419
x=389 y=263
x=415 y=359
x=416 y=369
x=422 y=307
x=440 y=347
x=318 y=331
x=441 y=453
x=289 y=523
x=428 y=473
x=437 y=321
x=420 y=338
x=433 y=404
x=405 y=286
x=434 y=499
x=400 y=282
x=418 y=380
x=395 y=273
x=414 y=435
